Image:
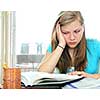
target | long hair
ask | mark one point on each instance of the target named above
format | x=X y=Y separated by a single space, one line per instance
x=65 y=61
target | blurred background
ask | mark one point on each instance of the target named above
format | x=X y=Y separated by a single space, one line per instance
x=26 y=27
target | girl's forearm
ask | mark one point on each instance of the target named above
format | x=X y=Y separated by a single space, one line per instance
x=96 y=76
x=49 y=64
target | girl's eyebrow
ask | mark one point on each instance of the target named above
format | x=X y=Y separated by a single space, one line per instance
x=78 y=28
x=64 y=31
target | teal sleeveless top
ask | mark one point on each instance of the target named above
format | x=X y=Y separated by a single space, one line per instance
x=93 y=56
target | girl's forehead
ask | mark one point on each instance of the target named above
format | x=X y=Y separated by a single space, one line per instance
x=73 y=25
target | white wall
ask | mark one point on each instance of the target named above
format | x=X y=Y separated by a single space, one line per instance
x=36 y=19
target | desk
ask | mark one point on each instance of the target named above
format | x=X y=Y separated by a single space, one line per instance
x=86 y=83
x=77 y=82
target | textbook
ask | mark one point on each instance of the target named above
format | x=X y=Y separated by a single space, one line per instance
x=47 y=80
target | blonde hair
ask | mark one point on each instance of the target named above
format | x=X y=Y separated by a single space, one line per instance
x=65 y=62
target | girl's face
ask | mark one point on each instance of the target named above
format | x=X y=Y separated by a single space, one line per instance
x=73 y=33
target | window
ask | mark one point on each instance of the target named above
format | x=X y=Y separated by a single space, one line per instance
x=31 y=40
x=7 y=39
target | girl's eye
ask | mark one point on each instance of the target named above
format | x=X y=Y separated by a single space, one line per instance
x=65 y=32
x=77 y=31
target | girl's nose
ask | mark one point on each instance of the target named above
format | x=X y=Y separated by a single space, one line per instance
x=72 y=37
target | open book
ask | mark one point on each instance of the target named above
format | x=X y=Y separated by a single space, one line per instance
x=47 y=79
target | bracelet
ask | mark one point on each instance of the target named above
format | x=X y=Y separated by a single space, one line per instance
x=61 y=47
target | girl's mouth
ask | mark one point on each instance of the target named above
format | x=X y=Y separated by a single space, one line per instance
x=72 y=43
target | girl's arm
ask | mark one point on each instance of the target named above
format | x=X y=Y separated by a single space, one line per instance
x=95 y=76
x=84 y=74
x=50 y=60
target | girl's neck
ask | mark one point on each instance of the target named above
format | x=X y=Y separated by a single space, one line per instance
x=71 y=53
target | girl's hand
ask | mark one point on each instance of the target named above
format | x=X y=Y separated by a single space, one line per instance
x=60 y=36
x=84 y=74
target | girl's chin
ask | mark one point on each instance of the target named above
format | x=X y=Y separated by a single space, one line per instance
x=72 y=46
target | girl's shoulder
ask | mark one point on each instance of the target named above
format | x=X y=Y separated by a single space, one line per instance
x=93 y=45
x=93 y=42
x=49 y=49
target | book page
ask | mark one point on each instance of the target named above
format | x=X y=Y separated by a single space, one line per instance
x=34 y=78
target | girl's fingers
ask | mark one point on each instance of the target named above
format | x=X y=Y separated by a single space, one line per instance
x=73 y=73
x=79 y=73
x=58 y=28
x=60 y=35
x=58 y=31
x=76 y=73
